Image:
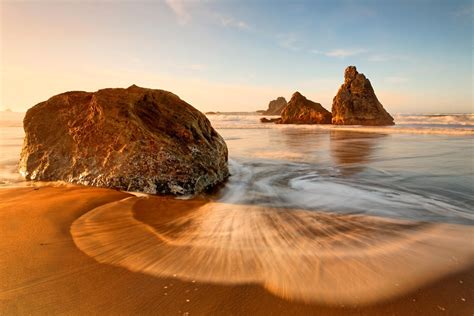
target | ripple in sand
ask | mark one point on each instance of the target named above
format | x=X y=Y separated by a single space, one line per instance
x=295 y=254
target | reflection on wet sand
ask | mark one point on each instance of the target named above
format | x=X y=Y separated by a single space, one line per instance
x=284 y=144
x=295 y=254
x=299 y=140
x=353 y=150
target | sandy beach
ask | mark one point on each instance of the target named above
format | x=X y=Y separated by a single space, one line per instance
x=44 y=272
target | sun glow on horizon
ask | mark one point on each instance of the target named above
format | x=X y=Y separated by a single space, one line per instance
x=224 y=57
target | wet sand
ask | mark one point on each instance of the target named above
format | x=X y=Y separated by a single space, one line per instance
x=44 y=272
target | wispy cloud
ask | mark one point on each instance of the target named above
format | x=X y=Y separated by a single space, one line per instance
x=373 y=57
x=342 y=53
x=466 y=10
x=228 y=21
x=289 y=41
x=339 y=53
x=316 y=51
x=179 y=9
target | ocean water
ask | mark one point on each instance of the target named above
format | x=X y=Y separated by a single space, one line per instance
x=421 y=169
x=411 y=170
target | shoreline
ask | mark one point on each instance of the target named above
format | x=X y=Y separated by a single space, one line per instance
x=44 y=271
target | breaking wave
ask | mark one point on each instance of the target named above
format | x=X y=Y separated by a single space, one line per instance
x=440 y=124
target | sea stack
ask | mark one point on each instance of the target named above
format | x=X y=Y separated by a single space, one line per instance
x=303 y=111
x=356 y=102
x=133 y=139
x=275 y=106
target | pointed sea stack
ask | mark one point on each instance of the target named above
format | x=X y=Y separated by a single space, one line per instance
x=275 y=106
x=133 y=139
x=356 y=103
x=303 y=111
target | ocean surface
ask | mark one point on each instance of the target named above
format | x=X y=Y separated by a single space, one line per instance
x=422 y=168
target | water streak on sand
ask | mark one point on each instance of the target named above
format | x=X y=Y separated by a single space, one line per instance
x=315 y=256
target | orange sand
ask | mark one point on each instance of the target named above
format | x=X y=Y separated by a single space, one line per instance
x=43 y=272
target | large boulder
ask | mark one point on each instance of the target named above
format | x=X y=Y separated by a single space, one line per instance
x=356 y=103
x=303 y=111
x=275 y=106
x=133 y=139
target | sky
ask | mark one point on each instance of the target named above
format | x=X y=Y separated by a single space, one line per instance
x=239 y=55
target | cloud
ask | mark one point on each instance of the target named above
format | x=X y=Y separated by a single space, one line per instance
x=228 y=21
x=316 y=51
x=182 y=12
x=289 y=41
x=178 y=7
x=342 y=53
x=467 y=10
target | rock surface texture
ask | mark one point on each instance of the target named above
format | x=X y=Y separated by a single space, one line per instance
x=275 y=106
x=356 y=103
x=133 y=139
x=303 y=111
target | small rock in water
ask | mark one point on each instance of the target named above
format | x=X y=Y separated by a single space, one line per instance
x=303 y=111
x=275 y=106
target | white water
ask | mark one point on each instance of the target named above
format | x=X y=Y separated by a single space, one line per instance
x=441 y=124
